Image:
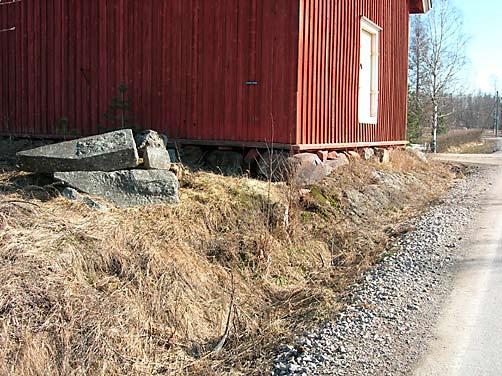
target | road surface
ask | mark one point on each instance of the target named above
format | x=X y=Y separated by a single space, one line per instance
x=469 y=331
x=494 y=159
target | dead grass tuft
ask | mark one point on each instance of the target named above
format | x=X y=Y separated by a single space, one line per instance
x=458 y=137
x=148 y=290
x=477 y=147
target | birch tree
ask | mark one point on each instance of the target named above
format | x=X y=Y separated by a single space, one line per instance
x=444 y=60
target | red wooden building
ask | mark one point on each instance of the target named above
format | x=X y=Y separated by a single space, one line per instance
x=302 y=74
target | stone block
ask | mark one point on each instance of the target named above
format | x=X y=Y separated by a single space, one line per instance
x=105 y=152
x=353 y=155
x=418 y=153
x=308 y=175
x=149 y=139
x=73 y=195
x=125 y=188
x=368 y=153
x=155 y=158
x=383 y=155
x=70 y=194
x=307 y=169
x=333 y=164
x=308 y=158
x=333 y=155
x=323 y=155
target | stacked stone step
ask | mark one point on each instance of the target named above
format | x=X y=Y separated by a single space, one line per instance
x=107 y=166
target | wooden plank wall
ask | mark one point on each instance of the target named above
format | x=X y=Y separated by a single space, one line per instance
x=329 y=71
x=185 y=62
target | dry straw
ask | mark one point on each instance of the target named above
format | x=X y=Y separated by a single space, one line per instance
x=209 y=287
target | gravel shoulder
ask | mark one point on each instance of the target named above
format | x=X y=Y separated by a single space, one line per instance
x=390 y=313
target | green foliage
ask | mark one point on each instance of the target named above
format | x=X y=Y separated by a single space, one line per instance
x=415 y=119
x=119 y=113
x=414 y=130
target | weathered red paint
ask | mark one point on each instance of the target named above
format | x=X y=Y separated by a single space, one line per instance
x=227 y=71
x=329 y=69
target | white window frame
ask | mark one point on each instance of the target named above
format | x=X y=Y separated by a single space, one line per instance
x=372 y=28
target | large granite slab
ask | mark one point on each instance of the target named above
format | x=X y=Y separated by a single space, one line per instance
x=125 y=188
x=106 y=152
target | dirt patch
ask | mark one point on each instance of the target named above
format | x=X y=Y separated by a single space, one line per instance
x=148 y=290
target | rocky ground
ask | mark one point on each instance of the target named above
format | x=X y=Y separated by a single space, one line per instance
x=387 y=322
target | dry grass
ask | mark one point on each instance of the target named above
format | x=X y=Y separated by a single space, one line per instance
x=479 y=147
x=147 y=290
x=456 y=138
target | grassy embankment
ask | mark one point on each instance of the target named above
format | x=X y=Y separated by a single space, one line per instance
x=153 y=290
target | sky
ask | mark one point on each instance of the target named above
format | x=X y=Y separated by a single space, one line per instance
x=483 y=23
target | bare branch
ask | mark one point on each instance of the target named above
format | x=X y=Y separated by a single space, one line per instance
x=9 y=2
x=437 y=57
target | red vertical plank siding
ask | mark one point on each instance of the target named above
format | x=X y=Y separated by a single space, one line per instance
x=190 y=67
x=328 y=107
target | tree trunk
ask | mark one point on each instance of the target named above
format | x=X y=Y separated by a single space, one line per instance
x=435 y=124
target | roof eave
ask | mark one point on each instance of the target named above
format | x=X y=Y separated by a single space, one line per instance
x=420 y=6
x=427 y=5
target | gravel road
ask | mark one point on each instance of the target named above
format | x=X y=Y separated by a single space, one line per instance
x=388 y=320
x=494 y=159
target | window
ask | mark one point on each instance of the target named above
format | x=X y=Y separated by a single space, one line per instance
x=368 y=72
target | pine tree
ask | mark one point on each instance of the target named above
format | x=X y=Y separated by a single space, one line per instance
x=118 y=115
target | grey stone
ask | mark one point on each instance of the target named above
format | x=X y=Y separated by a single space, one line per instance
x=73 y=195
x=155 y=158
x=125 y=188
x=70 y=193
x=106 y=152
x=353 y=155
x=226 y=162
x=307 y=158
x=192 y=156
x=301 y=170
x=418 y=153
x=274 y=166
x=165 y=139
x=306 y=175
x=149 y=139
x=93 y=204
x=383 y=155
x=368 y=153
x=333 y=164
x=307 y=169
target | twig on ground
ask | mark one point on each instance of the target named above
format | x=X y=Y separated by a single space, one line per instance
x=18 y=202
x=220 y=344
